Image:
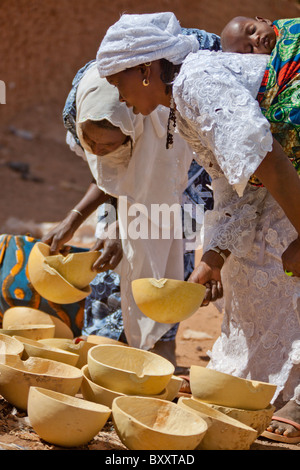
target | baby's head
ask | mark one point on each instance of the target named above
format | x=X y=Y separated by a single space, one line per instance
x=248 y=35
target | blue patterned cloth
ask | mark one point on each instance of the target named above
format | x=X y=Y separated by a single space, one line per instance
x=103 y=313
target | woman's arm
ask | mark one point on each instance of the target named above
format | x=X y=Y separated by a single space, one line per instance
x=278 y=175
x=65 y=230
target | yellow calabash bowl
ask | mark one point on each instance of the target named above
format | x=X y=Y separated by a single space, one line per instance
x=35 y=332
x=17 y=376
x=61 y=343
x=65 y=420
x=223 y=433
x=81 y=348
x=95 y=339
x=94 y=392
x=28 y=316
x=10 y=345
x=129 y=370
x=76 y=268
x=153 y=424
x=167 y=300
x=173 y=387
x=223 y=389
x=48 y=282
x=256 y=419
x=37 y=349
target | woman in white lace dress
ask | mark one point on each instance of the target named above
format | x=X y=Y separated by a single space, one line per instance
x=252 y=235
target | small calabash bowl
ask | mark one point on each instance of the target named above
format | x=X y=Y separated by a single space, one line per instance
x=144 y=423
x=94 y=392
x=129 y=370
x=17 y=376
x=167 y=300
x=37 y=349
x=35 y=332
x=76 y=268
x=64 y=420
x=10 y=345
x=256 y=419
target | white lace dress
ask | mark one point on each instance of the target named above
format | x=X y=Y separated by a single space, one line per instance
x=218 y=115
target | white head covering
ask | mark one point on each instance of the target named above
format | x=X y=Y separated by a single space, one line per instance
x=97 y=100
x=137 y=39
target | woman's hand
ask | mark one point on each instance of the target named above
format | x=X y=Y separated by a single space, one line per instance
x=208 y=273
x=111 y=247
x=291 y=258
x=62 y=233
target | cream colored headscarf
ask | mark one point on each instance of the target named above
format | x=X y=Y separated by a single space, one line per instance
x=151 y=175
x=97 y=100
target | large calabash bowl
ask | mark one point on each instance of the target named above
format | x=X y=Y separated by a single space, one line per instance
x=153 y=424
x=28 y=316
x=167 y=300
x=218 y=388
x=64 y=420
x=129 y=370
x=17 y=376
x=224 y=432
x=48 y=282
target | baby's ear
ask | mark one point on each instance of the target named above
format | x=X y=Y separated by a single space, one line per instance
x=264 y=20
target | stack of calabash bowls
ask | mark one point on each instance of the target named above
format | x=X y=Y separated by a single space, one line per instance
x=139 y=387
x=44 y=380
x=114 y=370
x=237 y=410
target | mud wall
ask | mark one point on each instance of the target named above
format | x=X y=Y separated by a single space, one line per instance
x=44 y=42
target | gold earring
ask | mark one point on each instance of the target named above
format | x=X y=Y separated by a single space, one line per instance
x=146 y=82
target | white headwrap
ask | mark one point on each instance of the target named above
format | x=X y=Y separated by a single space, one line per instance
x=97 y=100
x=137 y=39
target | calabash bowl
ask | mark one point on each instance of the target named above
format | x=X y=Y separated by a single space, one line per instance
x=167 y=300
x=95 y=339
x=17 y=376
x=224 y=389
x=37 y=349
x=64 y=420
x=76 y=268
x=223 y=433
x=94 y=392
x=48 y=282
x=129 y=370
x=35 y=332
x=10 y=345
x=28 y=316
x=152 y=424
x=256 y=419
